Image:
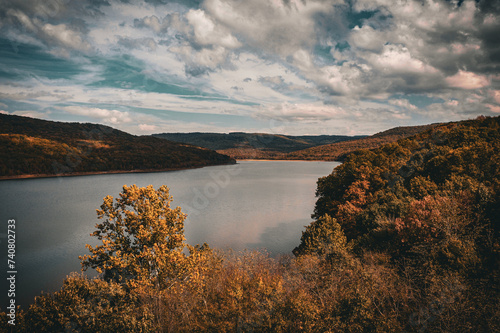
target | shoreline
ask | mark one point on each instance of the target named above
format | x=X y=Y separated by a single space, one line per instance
x=277 y=160
x=94 y=173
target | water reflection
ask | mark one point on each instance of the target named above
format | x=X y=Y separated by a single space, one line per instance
x=254 y=204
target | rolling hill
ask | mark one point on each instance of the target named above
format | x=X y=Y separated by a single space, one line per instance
x=34 y=147
x=254 y=145
x=338 y=150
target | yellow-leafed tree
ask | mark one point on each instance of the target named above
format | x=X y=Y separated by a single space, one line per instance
x=142 y=238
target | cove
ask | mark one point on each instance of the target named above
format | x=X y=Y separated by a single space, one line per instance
x=249 y=205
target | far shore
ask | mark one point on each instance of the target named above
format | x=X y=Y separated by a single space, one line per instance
x=93 y=173
x=287 y=160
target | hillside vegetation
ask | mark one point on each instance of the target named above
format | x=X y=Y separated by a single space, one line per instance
x=405 y=238
x=338 y=151
x=427 y=208
x=254 y=145
x=37 y=147
x=286 y=147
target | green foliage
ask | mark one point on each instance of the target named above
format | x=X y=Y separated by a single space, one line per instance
x=323 y=237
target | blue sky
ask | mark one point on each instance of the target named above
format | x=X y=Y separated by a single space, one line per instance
x=276 y=66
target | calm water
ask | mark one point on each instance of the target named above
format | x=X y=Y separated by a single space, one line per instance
x=253 y=204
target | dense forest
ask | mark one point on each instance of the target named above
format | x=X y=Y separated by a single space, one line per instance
x=286 y=147
x=339 y=150
x=37 y=147
x=240 y=145
x=405 y=237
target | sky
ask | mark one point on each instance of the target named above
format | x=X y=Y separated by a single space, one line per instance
x=292 y=67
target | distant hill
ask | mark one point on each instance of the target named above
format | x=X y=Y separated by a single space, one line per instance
x=254 y=145
x=338 y=150
x=38 y=147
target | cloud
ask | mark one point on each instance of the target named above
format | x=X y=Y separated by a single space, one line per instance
x=62 y=37
x=322 y=62
x=13 y=93
x=31 y=114
x=367 y=38
x=467 y=80
x=206 y=32
x=494 y=108
x=148 y=43
x=272 y=80
x=148 y=128
x=273 y=26
x=105 y=115
x=153 y=22
x=397 y=59
x=496 y=95
x=300 y=112
x=403 y=103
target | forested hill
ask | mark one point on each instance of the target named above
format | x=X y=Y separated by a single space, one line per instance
x=338 y=150
x=254 y=145
x=405 y=239
x=31 y=146
x=428 y=208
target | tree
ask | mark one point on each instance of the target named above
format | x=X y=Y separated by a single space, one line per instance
x=87 y=305
x=323 y=237
x=142 y=238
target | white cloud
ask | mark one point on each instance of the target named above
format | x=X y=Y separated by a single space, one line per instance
x=271 y=58
x=105 y=115
x=404 y=103
x=273 y=26
x=300 y=112
x=31 y=114
x=205 y=58
x=496 y=95
x=66 y=37
x=59 y=35
x=206 y=32
x=367 y=38
x=152 y=22
x=467 y=80
x=494 y=108
x=148 y=128
x=397 y=59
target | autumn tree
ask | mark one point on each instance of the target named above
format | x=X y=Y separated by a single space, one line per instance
x=87 y=305
x=142 y=238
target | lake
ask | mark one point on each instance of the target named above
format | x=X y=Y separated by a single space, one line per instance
x=249 y=205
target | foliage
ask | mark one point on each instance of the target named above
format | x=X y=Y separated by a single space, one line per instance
x=254 y=145
x=338 y=151
x=324 y=237
x=405 y=238
x=142 y=237
x=286 y=147
x=430 y=203
x=84 y=305
x=428 y=186
x=38 y=147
